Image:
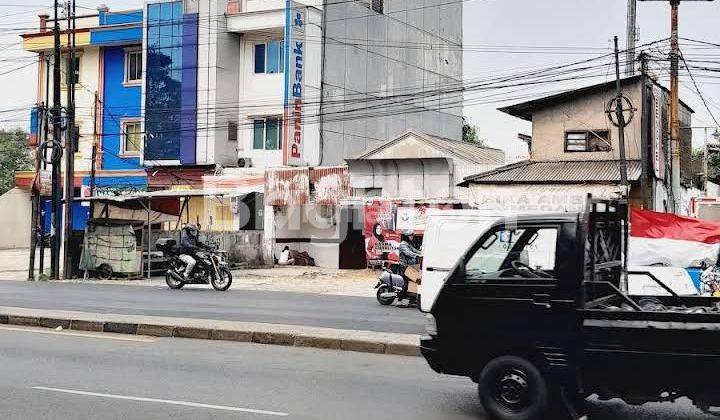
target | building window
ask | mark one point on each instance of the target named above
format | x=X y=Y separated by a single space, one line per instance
x=377 y=6
x=232 y=131
x=64 y=69
x=587 y=141
x=267 y=134
x=170 y=66
x=133 y=66
x=131 y=138
x=269 y=57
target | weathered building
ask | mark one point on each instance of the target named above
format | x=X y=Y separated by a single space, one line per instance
x=575 y=151
x=419 y=166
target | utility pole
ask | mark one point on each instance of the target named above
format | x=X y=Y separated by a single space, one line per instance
x=35 y=206
x=620 y=119
x=674 y=105
x=674 y=196
x=631 y=37
x=46 y=133
x=70 y=137
x=57 y=133
x=93 y=161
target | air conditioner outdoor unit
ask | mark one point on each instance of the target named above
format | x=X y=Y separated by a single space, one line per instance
x=244 y=162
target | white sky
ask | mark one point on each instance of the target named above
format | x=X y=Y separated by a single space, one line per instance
x=587 y=26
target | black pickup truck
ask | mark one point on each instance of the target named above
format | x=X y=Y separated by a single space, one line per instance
x=535 y=313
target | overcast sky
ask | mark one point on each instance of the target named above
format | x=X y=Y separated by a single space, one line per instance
x=575 y=29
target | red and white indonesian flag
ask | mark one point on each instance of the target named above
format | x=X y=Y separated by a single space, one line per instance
x=671 y=240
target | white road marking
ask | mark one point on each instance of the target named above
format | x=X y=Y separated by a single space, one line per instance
x=156 y=400
x=106 y=336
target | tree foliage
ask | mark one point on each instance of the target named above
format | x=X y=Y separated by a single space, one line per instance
x=470 y=133
x=713 y=168
x=14 y=156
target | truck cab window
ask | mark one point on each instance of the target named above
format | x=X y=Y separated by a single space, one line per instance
x=503 y=254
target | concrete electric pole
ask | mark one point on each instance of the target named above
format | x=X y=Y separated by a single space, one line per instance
x=70 y=139
x=56 y=152
x=631 y=37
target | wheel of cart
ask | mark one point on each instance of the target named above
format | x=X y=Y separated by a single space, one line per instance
x=104 y=272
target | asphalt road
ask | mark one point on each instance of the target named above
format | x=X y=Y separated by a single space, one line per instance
x=343 y=312
x=48 y=375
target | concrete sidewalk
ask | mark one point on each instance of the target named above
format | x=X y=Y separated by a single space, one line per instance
x=315 y=280
x=286 y=335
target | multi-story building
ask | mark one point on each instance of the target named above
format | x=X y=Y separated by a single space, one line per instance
x=202 y=83
x=369 y=71
x=182 y=92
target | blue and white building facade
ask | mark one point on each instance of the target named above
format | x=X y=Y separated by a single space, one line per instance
x=119 y=38
x=263 y=83
x=183 y=91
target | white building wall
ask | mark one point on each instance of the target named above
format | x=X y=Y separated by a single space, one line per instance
x=15 y=206
x=311 y=222
x=84 y=100
x=260 y=95
x=313 y=83
x=368 y=62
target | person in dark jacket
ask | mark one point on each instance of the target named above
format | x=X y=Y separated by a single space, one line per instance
x=408 y=254
x=190 y=244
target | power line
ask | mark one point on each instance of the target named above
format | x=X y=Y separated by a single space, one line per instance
x=699 y=92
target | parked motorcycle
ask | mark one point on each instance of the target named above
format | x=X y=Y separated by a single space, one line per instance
x=211 y=267
x=393 y=284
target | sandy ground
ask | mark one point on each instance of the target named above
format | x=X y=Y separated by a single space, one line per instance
x=14 y=266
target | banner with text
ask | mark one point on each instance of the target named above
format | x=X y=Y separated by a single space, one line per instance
x=295 y=15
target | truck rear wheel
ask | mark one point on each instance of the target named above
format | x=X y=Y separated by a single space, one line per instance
x=512 y=388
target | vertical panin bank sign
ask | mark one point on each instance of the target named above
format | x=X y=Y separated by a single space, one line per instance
x=294 y=83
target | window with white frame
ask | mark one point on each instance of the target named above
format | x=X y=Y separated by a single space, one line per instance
x=270 y=57
x=587 y=141
x=131 y=142
x=267 y=133
x=133 y=66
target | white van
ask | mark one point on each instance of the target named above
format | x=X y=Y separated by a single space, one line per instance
x=448 y=234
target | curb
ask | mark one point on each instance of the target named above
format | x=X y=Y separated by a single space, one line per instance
x=246 y=336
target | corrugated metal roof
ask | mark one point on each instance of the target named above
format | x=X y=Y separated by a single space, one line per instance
x=332 y=184
x=551 y=171
x=287 y=186
x=467 y=151
x=292 y=186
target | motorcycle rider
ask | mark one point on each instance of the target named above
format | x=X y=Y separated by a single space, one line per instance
x=408 y=254
x=190 y=244
x=409 y=260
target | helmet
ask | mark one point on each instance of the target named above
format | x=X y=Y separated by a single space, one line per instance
x=190 y=229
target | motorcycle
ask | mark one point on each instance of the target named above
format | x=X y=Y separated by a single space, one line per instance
x=210 y=268
x=393 y=284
